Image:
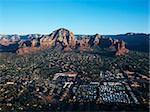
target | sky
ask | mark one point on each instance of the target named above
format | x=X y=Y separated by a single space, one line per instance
x=79 y=16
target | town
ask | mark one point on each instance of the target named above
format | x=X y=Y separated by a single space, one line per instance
x=32 y=92
x=72 y=81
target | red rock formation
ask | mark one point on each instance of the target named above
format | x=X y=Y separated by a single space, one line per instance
x=94 y=40
x=72 y=41
x=64 y=39
x=45 y=42
x=61 y=37
x=34 y=43
x=97 y=39
x=83 y=44
x=121 y=49
x=6 y=42
x=23 y=44
x=67 y=49
x=27 y=50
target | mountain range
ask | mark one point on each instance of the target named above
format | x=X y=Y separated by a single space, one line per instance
x=65 y=40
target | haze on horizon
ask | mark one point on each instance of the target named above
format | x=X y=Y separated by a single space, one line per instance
x=79 y=16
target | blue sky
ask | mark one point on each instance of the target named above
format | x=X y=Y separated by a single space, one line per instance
x=79 y=16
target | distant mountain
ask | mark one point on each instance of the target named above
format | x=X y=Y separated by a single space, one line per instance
x=134 y=41
x=64 y=39
x=9 y=44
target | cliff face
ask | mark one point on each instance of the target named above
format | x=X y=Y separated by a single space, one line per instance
x=23 y=44
x=27 y=50
x=95 y=40
x=83 y=44
x=120 y=48
x=35 y=43
x=61 y=38
x=46 y=42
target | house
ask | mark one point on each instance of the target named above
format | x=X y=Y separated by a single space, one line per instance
x=69 y=75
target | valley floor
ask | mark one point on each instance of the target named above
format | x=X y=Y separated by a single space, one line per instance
x=74 y=81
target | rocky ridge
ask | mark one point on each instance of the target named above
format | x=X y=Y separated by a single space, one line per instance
x=65 y=40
